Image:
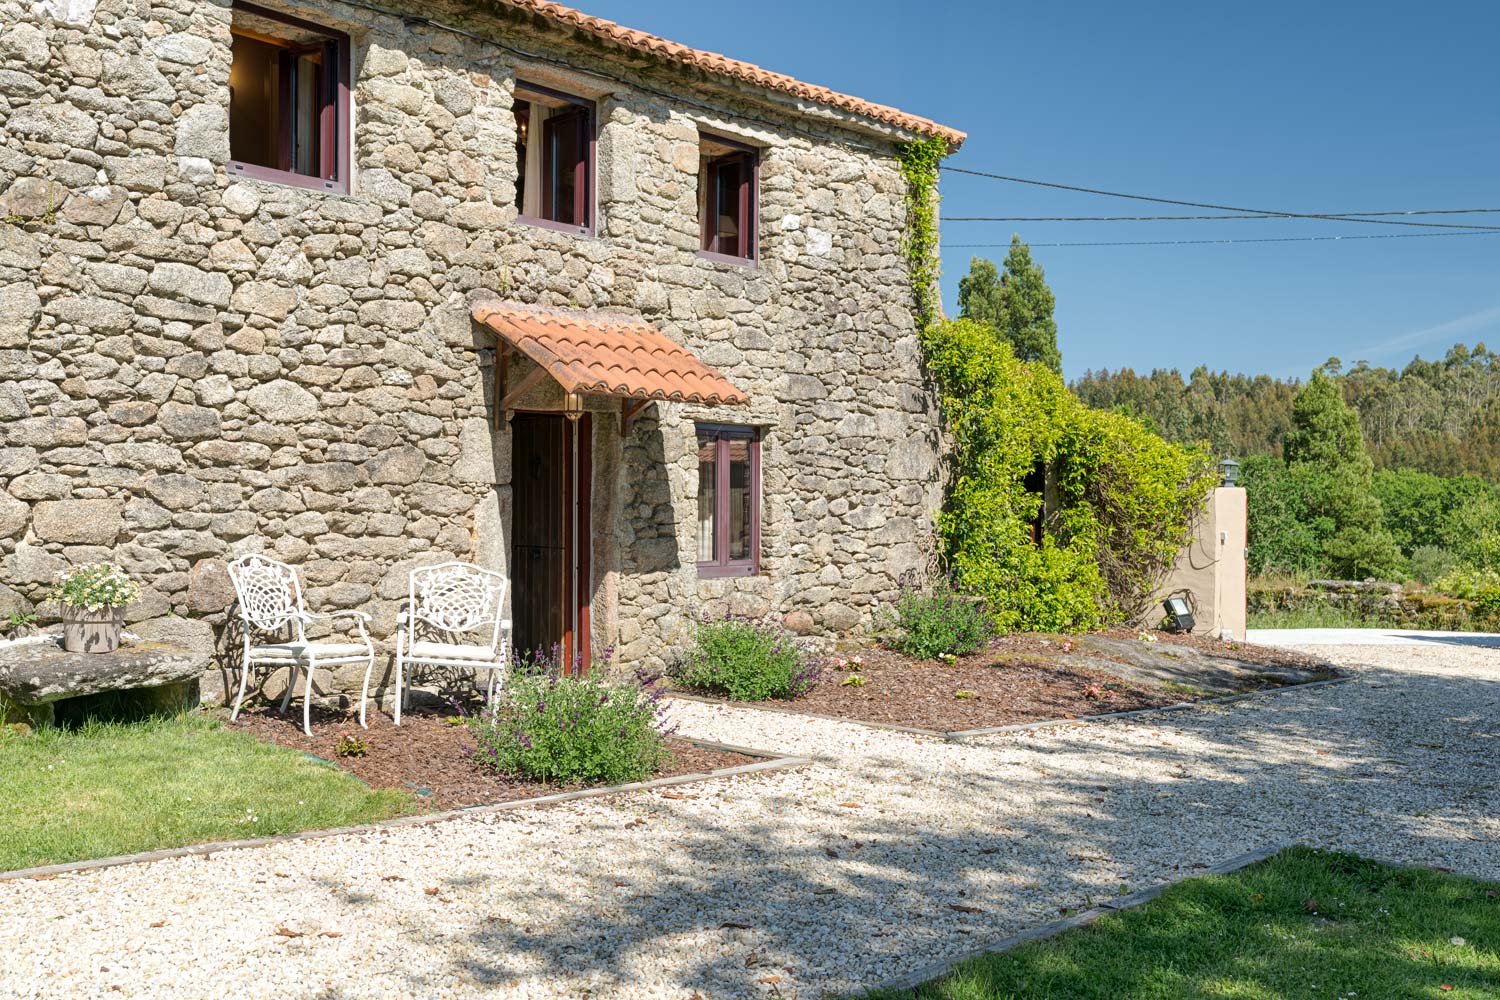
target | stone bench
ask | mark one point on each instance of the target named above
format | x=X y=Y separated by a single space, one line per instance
x=42 y=684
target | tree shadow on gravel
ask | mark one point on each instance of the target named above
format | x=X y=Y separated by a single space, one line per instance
x=803 y=893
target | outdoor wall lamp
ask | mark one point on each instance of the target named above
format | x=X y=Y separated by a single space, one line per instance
x=573 y=406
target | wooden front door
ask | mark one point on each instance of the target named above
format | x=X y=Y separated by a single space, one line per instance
x=542 y=531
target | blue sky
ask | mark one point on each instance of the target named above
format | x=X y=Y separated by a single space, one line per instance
x=1303 y=107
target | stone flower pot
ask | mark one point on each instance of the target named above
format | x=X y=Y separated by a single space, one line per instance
x=86 y=631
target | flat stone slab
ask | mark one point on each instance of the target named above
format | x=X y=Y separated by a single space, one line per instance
x=39 y=671
x=1164 y=663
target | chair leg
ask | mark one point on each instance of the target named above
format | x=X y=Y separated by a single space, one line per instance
x=307 y=693
x=244 y=680
x=400 y=689
x=364 y=692
x=291 y=682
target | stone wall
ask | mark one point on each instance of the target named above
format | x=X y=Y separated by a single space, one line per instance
x=193 y=367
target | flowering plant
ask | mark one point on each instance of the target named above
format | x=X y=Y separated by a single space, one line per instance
x=748 y=659
x=94 y=586
x=350 y=745
x=941 y=623
x=573 y=729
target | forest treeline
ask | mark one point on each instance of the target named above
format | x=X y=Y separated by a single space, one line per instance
x=1440 y=417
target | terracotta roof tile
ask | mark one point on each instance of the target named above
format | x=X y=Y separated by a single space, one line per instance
x=713 y=62
x=610 y=354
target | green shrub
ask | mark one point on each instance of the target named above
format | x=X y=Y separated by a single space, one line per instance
x=573 y=730
x=747 y=660
x=1121 y=512
x=939 y=623
x=1430 y=563
x=1482 y=586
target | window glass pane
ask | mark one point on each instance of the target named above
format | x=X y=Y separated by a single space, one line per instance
x=727 y=199
x=523 y=133
x=560 y=168
x=708 y=489
x=306 y=104
x=739 y=498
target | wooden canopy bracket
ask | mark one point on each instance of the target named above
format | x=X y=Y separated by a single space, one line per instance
x=629 y=410
x=511 y=398
x=502 y=375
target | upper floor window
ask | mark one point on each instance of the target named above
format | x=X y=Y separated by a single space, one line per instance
x=554 y=158
x=728 y=198
x=288 y=100
x=728 y=500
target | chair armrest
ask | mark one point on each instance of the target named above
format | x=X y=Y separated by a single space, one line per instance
x=402 y=617
x=339 y=614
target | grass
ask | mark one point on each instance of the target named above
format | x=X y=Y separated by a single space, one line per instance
x=1304 y=925
x=116 y=788
x=1318 y=615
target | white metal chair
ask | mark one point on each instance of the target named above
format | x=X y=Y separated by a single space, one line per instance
x=454 y=600
x=270 y=599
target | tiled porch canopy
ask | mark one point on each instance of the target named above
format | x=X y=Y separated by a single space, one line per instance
x=598 y=354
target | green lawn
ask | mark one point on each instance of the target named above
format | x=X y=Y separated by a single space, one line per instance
x=1305 y=925
x=106 y=789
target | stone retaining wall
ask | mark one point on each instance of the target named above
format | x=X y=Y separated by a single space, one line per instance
x=193 y=367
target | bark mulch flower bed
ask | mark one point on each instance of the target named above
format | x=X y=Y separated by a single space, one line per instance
x=432 y=758
x=988 y=688
x=1029 y=677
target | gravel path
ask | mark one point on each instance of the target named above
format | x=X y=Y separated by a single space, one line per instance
x=850 y=871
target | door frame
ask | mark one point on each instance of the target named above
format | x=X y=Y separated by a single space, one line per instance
x=577 y=572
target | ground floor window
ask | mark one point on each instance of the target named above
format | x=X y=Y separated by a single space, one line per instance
x=728 y=500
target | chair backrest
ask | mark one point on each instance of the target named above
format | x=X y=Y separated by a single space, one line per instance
x=458 y=597
x=269 y=592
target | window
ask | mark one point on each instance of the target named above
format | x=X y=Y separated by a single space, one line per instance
x=727 y=198
x=554 y=159
x=728 y=501
x=288 y=101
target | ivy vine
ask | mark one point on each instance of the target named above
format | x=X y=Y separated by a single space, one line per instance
x=920 y=160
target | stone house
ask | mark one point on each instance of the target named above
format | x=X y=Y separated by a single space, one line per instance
x=370 y=285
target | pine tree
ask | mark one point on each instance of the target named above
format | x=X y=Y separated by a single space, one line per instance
x=1325 y=439
x=1325 y=429
x=980 y=296
x=1017 y=303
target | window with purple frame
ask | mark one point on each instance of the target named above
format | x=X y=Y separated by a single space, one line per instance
x=288 y=100
x=727 y=198
x=554 y=158
x=728 y=500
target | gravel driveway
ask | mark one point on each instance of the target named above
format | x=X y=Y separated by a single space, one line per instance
x=863 y=866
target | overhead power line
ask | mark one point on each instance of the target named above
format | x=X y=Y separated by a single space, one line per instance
x=1208 y=205
x=1266 y=239
x=1188 y=218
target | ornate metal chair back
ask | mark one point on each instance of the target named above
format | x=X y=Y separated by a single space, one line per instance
x=269 y=593
x=457 y=599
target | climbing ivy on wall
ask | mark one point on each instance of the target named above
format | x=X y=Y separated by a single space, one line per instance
x=920 y=160
x=1123 y=503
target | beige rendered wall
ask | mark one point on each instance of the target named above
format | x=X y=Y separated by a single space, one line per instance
x=1211 y=569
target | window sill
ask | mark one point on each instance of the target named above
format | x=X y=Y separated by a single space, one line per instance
x=715 y=571
x=286 y=178
x=561 y=227
x=749 y=263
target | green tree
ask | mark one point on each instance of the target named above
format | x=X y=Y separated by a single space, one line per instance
x=1325 y=439
x=980 y=294
x=1325 y=429
x=1017 y=303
